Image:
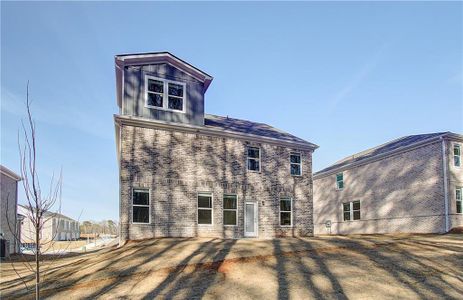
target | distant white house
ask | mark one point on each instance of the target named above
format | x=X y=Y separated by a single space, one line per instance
x=56 y=227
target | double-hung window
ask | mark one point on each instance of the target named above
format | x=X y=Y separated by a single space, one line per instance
x=295 y=164
x=339 y=181
x=458 y=197
x=205 y=208
x=165 y=94
x=351 y=211
x=456 y=155
x=229 y=209
x=141 y=206
x=253 y=159
x=286 y=207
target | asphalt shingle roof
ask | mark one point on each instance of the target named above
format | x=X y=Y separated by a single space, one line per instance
x=248 y=127
x=384 y=148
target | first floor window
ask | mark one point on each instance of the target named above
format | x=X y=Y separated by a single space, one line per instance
x=295 y=164
x=457 y=155
x=141 y=206
x=205 y=208
x=458 y=197
x=285 y=212
x=229 y=209
x=339 y=181
x=253 y=159
x=351 y=210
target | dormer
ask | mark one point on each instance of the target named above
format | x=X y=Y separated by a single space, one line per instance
x=160 y=86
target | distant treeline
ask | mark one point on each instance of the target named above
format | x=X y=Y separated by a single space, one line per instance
x=101 y=227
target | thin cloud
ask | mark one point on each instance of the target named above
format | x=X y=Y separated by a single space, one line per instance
x=358 y=77
x=69 y=117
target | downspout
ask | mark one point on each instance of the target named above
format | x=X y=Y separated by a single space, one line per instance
x=446 y=193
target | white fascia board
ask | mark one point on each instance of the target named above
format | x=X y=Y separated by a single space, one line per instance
x=7 y=172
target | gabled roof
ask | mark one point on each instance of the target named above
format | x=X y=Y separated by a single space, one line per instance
x=219 y=126
x=147 y=58
x=24 y=210
x=252 y=128
x=388 y=148
x=4 y=170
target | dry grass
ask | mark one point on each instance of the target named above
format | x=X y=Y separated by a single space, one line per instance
x=401 y=266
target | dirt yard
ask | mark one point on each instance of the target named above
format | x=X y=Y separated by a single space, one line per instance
x=335 y=267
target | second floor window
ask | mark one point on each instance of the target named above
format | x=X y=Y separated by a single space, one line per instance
x=339 y=181
x=458 y=197
x=165 y=94
x=351 y=211
x=295 y=164
x=253 y=159
x=457 y=155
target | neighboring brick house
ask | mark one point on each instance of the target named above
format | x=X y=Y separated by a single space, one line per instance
x=412 y=185
x=56 y=226
x=8 y=218
x=184 y=173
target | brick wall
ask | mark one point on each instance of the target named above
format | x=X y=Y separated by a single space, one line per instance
x=455 y=179
x=175 y=166
x=8 y=195
x=401 y=193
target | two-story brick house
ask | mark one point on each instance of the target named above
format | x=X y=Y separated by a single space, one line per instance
x=413 y=184
x=185 y=173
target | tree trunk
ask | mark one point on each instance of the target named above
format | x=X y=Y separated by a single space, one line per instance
x=37 y=262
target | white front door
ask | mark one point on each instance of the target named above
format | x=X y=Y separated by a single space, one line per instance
x=250 y=219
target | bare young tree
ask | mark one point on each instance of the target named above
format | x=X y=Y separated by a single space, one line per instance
x=39 y=205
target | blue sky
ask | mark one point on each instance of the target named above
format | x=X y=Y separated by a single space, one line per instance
x=346 y=76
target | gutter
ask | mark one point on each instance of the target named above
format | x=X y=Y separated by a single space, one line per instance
x=446 y=193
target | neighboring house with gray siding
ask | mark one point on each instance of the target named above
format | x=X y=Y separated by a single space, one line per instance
x=185 y=173
x=411 y=185
x=8 y=218
x=56 y=227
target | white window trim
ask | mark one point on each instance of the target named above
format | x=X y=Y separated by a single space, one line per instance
x=248 y=158
x=149 y=206
x=351 y=211
x=229 y=209
x=300 y=164
x=165 y=97
x=280 y=211
x=336 y=178
x=459 y=156
x=460 y=200
x=211 y=209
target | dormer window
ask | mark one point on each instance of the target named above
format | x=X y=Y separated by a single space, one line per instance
x=164 y=94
